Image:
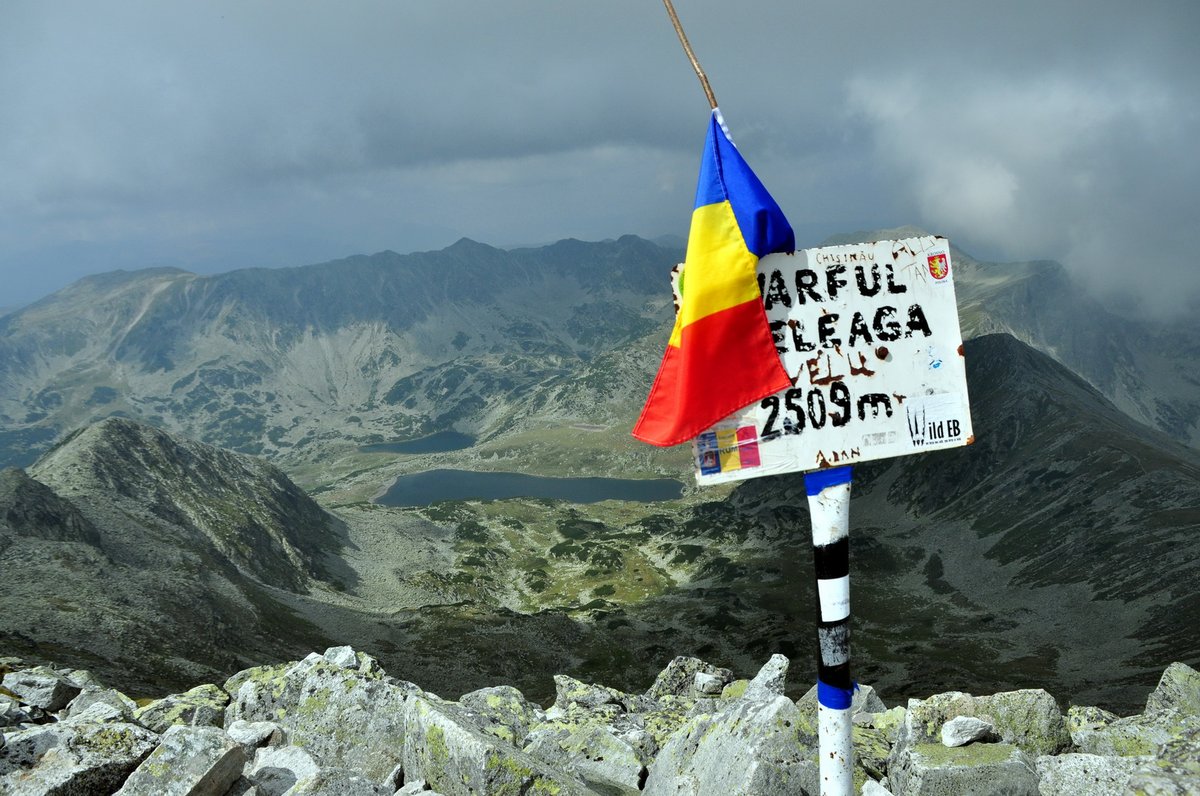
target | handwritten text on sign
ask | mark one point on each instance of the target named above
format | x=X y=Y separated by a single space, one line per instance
x=869 y=334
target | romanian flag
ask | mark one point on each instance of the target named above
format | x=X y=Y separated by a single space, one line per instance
x=721 y=356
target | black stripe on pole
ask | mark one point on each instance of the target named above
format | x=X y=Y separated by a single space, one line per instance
x=833 y=659
x=831 y=561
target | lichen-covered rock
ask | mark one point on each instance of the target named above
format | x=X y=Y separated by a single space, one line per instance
x=1082 y=720
x=202 y=706
x=597 y=756
x=1132 y=736
x=504 y=712
x=346 y=718
x=678 y=678
x=871 y=753
x=41 y=687
x=931 y=769
x=445 y=749
x=1029 y=719
x=189 y=761
x=889 y=722
x=1078 y=774
x=570 y=693
x=1152 y=782
x=752 y=746
x=1178 y=689
x=72 y=758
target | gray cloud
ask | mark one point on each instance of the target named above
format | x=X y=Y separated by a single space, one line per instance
x=228 y=134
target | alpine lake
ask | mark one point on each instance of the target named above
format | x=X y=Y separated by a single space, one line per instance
x=430 y=486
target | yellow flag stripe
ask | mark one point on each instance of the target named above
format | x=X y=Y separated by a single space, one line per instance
x=719 y=269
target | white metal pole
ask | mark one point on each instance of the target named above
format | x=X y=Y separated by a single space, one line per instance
x=829 y=507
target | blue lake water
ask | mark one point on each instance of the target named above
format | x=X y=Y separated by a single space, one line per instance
x=422 y=489
x=441 y=442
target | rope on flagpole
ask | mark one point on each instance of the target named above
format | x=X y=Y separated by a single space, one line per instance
x=687 y=48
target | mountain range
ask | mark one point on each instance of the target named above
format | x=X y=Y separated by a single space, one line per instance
x=1058 y=549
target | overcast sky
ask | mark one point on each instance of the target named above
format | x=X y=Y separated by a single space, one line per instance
x=221 y=134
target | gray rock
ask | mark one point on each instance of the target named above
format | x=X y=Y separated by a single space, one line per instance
x=866 y=700
x=189 y=761
x=569 y=692
x=1082 y=721
x=873 y=788
x=962 y=730
x=276 y=770
x=1078 y=774
x=443 y=747
x=41 y=687
x=931 y=769
x=503 y=711
x=202 y=706
x=707 y=684
x=339 y=782
x=308 y=698
x=417 y=787
x=253 y=734
x=1179 y=688
x=769 y=681
x=106 y=696
x=604 y=762
x=344 y=657
x=72 y=758
x=679 y=676
x=100 y=713
x=750 y=747
x=1132 y=736
x=11 y=713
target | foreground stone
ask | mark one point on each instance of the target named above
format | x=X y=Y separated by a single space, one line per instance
x=189 y=761
x=452 y=756
x=335 y=724
x=72 y=758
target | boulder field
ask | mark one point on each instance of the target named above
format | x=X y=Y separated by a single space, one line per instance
x=336 y=724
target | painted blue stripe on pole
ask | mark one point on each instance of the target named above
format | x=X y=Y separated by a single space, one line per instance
x=833 y=697
x=816 y=481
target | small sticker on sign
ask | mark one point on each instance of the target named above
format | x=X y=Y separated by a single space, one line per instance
x=939 y=266
x=934 y=419
x=727 y=449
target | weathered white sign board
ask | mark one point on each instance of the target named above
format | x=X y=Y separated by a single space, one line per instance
x=869 y=334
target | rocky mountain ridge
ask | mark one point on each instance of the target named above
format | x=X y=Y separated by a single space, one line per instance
x=1032 y=556
x=287 y=362
x=298 y=364
x=336 y=724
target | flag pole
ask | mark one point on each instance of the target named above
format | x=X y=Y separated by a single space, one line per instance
x=829 y=509
x=687 y=48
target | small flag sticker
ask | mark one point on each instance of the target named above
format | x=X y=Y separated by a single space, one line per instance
x=727 y=449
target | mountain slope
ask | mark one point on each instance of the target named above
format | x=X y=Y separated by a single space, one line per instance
x=155 y=559
x=1063 y=542
x=290 y=361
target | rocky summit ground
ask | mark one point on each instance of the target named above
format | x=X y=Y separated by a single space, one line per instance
x=336 y=724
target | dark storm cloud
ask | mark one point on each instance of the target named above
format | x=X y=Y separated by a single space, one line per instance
x=224 y=134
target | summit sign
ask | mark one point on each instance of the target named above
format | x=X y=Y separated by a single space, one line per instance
x=869 y=335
